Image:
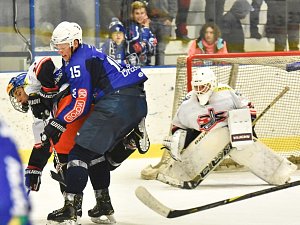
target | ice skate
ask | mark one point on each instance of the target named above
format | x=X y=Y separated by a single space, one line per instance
x=103 y=211
x=70 y=213
x=140 y=137
x=67 y=215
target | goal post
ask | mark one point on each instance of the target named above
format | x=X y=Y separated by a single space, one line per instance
x=259 y=76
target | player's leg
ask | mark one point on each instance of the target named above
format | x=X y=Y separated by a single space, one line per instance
x=196 y=156
x=103 y=211
x=105 y=126
x=264 y=163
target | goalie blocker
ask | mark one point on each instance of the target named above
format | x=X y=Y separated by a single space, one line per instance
x=260 y=159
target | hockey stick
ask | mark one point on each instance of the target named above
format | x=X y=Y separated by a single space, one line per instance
x=57 y=177
x=59 y=165
x=149 y=200
x=191 y=184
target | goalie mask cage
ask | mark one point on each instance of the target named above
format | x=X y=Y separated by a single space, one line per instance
x=260 y=77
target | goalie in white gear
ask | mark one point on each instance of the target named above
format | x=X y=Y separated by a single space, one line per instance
x=200 y=132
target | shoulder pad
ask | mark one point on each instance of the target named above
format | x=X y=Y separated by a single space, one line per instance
x=223 y=87
x=188 y=95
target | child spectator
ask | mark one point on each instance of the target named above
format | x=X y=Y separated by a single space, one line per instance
x=209 y=41
x=115 y=45
x=141 y=42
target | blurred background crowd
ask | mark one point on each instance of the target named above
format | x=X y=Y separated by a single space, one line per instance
x=154 y=33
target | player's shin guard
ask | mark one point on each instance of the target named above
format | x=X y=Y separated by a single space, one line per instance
x=103 y=210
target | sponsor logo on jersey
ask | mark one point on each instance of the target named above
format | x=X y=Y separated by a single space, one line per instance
x=130 y=69
x=207 y=121
x=78 y=107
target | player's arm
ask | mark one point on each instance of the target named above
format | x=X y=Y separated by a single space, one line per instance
x=41 y=102
x=81 y=91
x=38 y=159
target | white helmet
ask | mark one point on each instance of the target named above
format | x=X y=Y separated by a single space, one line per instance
x=204 y=82
x=66 y=32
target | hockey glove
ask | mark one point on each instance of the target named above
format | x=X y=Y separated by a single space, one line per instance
x=37 y=161
x=33 y=178
x=53 y=130
x=38 y=107
x=175 y=143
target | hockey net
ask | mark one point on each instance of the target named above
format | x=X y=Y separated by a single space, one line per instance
x=260 y=77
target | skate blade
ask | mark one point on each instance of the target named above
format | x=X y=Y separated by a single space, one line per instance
x=67 y=222
x=104 y=219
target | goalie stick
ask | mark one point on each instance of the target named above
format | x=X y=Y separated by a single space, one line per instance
x=191 y=184
x=150 y=201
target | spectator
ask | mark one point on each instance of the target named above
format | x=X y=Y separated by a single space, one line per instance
x=125 y=10
x=181 y=19
x=214 y=10
x=232 y=29
x=141 y=42
x=254 y=19
x=107 y=10
x=209 y=41
x=161 y=13
x=115 y=45
x=282 y=22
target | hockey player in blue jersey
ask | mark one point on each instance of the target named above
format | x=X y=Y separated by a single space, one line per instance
x=120 y=105
x=14 y=204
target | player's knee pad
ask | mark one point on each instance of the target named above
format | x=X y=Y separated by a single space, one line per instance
x=117 y=155
x=264 y=163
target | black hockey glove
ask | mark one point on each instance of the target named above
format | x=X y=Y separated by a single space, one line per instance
x=53 y=130
x=37 y=161
x=39 y=107
x=33 y=178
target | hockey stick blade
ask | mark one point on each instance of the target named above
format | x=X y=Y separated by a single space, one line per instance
x=149 y=200
x=57 y=177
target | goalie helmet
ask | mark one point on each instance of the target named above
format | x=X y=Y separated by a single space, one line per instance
x=204 y=82
x=12 y=86
x=66 y=32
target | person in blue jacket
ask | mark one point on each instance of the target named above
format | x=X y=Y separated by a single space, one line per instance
x=14 y=203
x=120 y=108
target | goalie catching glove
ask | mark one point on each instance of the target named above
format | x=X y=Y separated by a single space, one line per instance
x=175 y=143
x=53 y=131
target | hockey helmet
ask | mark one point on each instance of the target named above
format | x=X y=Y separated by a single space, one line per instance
x=204 y=82
x=12 y=86
x=66 y=32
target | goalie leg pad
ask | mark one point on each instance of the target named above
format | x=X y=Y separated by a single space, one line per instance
x=201 y=151
x=264 y=163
